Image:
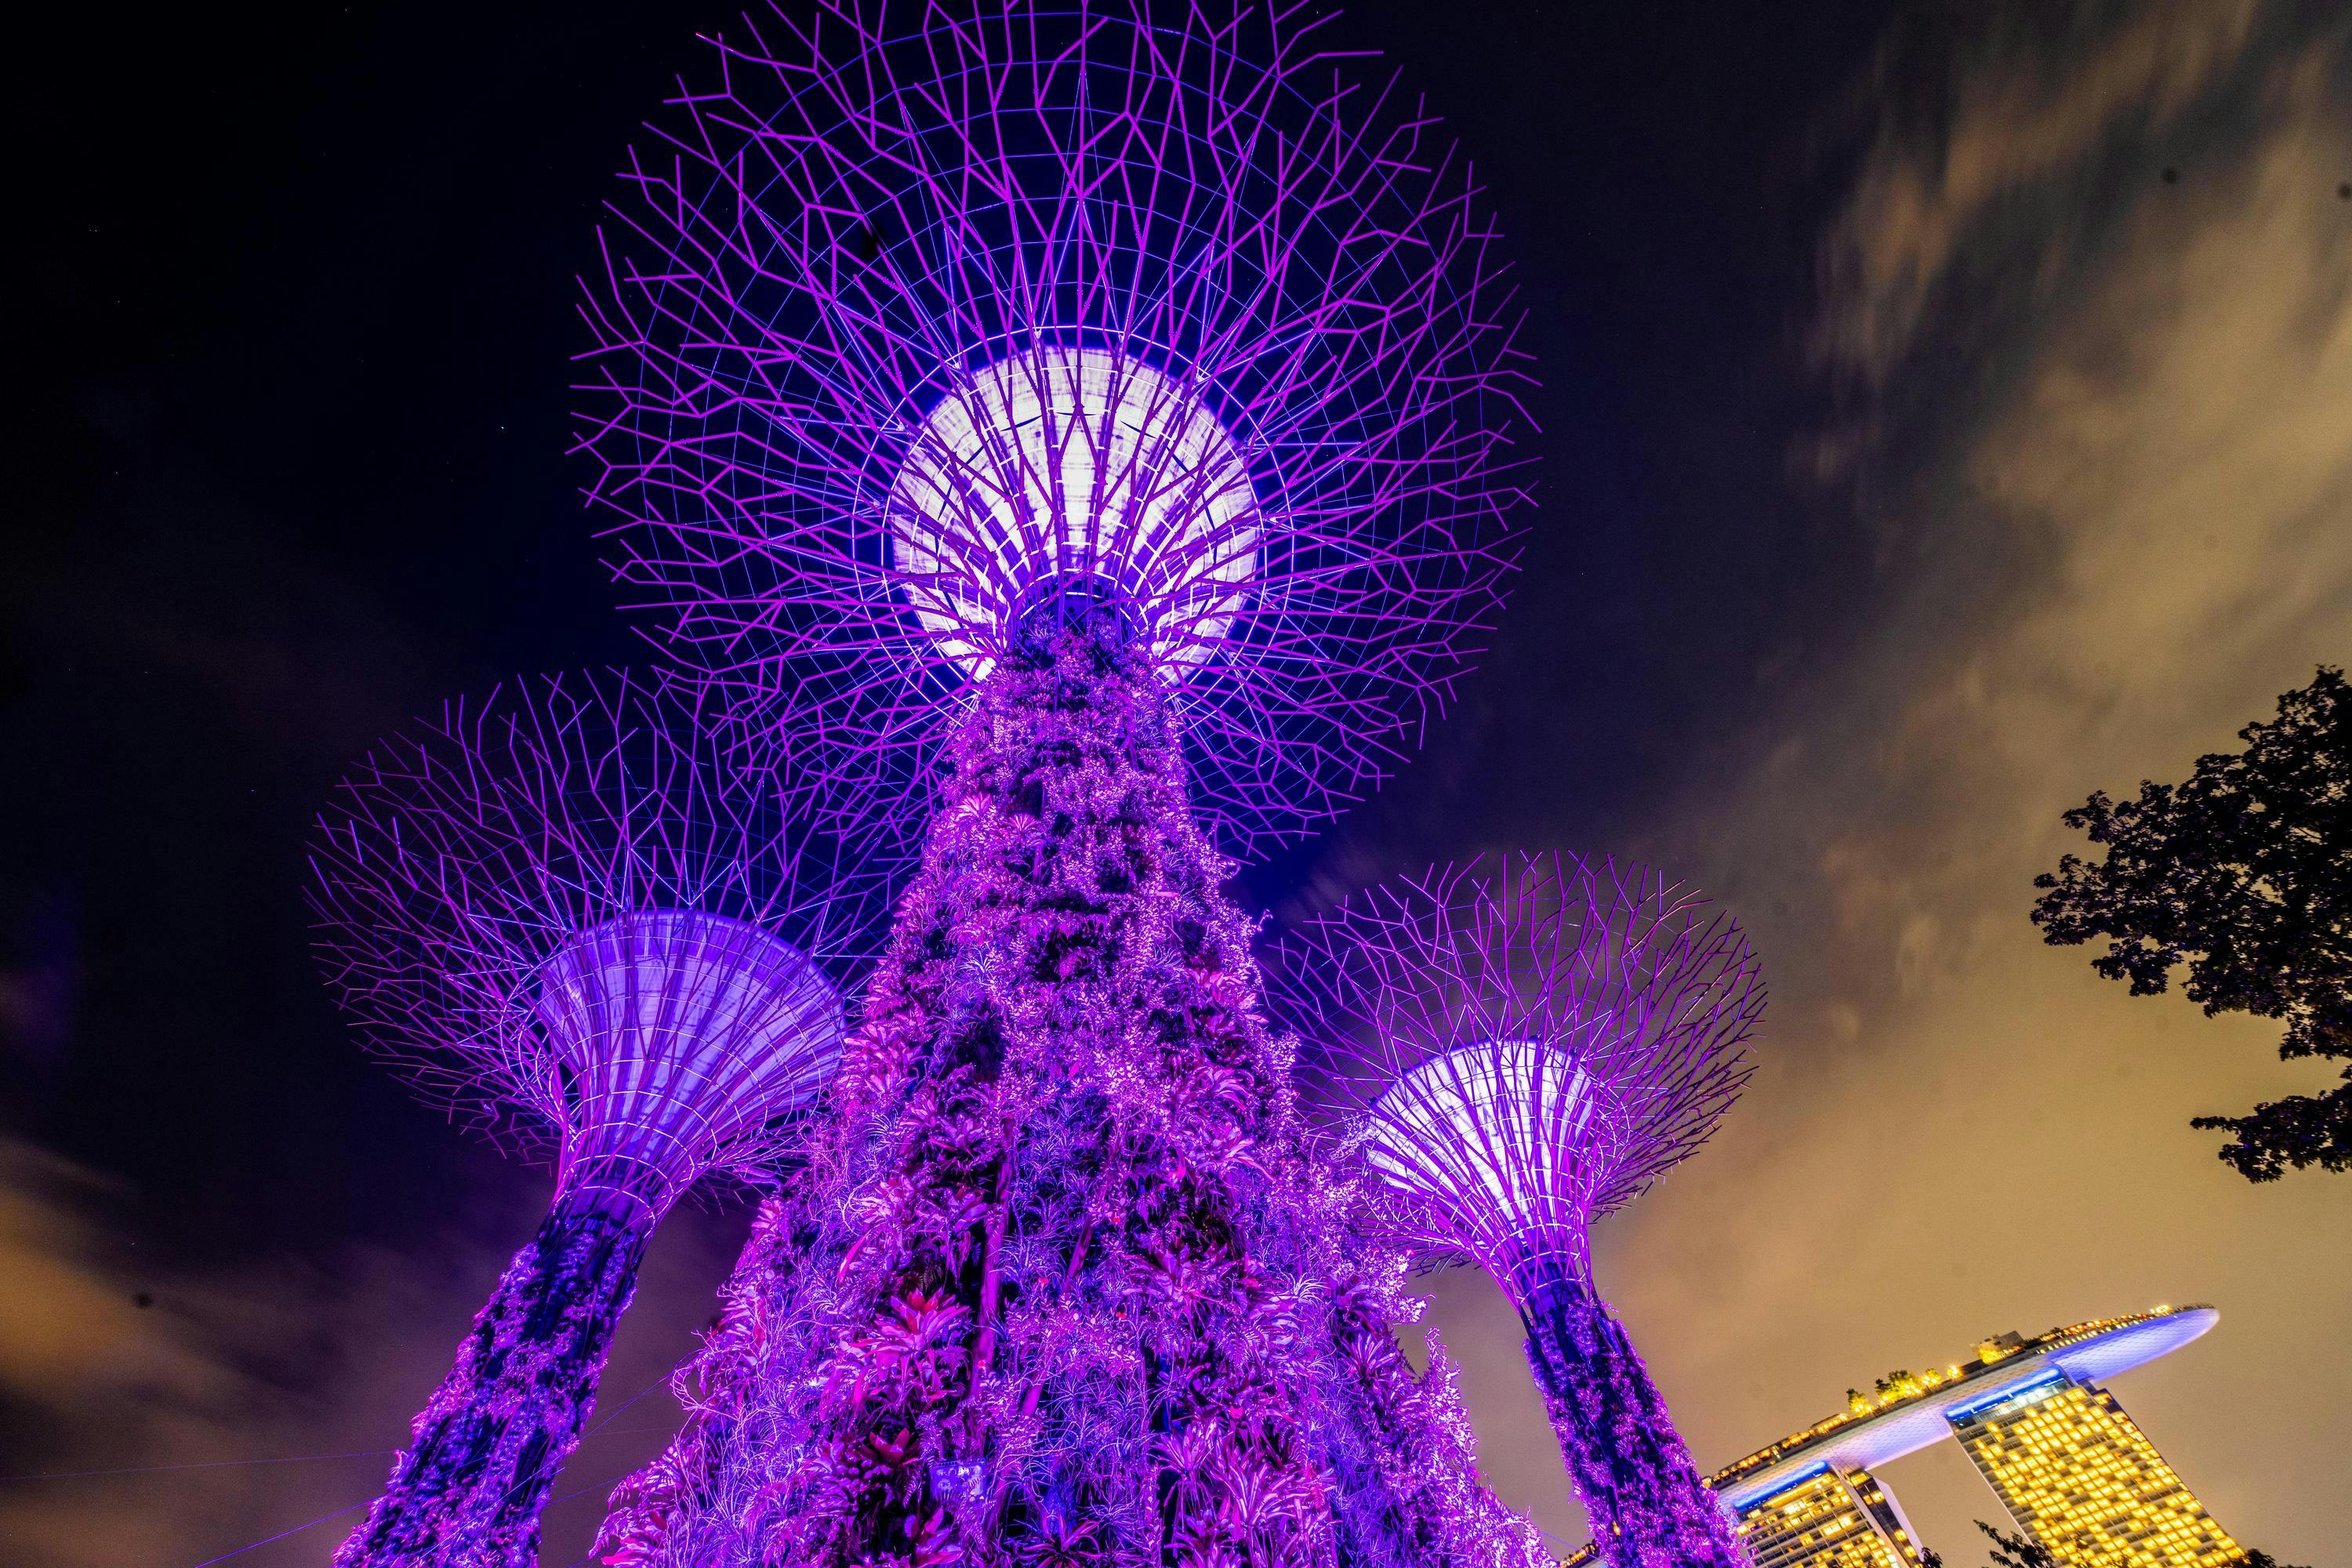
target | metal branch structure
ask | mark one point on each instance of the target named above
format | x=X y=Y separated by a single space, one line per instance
x=1107 y=419
x=554 y=913
x=929 y=325
x=1520 y=1046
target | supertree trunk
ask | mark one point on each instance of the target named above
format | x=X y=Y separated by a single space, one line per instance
x=467 y=1491
x=1059 y=1287
x=1645 y=1500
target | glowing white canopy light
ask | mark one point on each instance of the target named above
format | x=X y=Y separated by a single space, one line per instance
x=1508 y=1128
x=1071 y=464
x=679 y=1029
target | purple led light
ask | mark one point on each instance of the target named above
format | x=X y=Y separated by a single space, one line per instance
x=1074 y=466
x=566 y=915
x=677 y=1037
x=920 y=316
x=1059 y=1282
x=1520 y=1046
x=1114 y=417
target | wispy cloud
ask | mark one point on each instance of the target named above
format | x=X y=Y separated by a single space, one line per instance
x=243 y=1401
x=2107 y=423
x=2028 y=105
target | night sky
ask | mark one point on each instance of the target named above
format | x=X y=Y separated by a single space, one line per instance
x=1948 y=411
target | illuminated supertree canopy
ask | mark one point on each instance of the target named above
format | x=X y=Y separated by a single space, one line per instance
x=927 y=326
x=556 y=914
x=1520 y=1046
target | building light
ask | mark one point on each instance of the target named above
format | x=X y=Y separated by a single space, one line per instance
x=2049 y=1431
x=2083 y=1480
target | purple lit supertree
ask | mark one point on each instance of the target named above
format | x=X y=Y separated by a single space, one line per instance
x=1116 y=416
x=1519 y=1048
x=926 y=322
x=555 y=913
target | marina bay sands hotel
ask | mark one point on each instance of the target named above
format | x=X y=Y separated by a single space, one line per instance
x=2077 y=1474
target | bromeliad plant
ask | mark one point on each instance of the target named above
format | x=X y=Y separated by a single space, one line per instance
x=1114 y=415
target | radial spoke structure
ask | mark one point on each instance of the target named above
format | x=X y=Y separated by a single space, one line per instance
x=1111 y=420
x=916 y=319
x=557 y=914
x=1519 y=1048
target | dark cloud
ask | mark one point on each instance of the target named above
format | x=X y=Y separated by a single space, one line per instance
x=2079 y=509
x=169 y=1415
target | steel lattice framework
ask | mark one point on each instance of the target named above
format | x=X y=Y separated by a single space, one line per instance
x=1524 y=1044
x=916 y=323
x=1522 y=1047
x=562 y=913
x=580 y=918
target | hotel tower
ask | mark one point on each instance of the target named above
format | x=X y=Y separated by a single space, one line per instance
x=2075 y=1472
x=1833 y=1518
x=2080 y=1476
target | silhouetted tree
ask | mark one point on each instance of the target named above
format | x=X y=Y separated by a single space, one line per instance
x=2017 y=1551
x=2244 y=874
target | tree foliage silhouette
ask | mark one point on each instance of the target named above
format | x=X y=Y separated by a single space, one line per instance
x=2019 y=1551
x=2243 y=873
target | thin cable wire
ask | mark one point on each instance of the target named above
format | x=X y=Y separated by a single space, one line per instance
x=282 y=1534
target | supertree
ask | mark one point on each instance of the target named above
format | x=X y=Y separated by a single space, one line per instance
x=1116 y=417
x=555 y=913
x=1517 y=1047
x=927 y=321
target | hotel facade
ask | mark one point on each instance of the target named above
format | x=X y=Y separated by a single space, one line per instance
x=2075 y=1473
